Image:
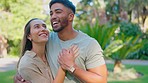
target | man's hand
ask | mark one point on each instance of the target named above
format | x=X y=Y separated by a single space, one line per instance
x=67 y=57
x=75 y=50
x=19 y=79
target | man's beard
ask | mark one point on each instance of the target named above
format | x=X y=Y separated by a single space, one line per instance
x=63 y=25
x=58 y=30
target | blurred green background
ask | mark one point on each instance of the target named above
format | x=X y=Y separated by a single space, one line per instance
x=120 y=26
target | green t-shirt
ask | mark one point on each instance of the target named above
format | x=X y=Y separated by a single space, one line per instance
x=90 y=53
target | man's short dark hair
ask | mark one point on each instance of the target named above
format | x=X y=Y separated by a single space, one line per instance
x=66 y=3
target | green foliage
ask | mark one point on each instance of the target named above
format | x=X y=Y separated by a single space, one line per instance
x=14 y=14
x=143 y=51
x=129 y=47
x=129 y=29
x=87 y=11
x=130 y=34
x=113 y=10
x=14 y=47
x=113 y=47
x=117 y=41
x=103 y=34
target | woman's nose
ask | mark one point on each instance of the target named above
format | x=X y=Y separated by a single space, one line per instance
x=44 y=29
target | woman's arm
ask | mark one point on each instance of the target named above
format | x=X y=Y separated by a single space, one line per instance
x=60 y=76
x=73 y=52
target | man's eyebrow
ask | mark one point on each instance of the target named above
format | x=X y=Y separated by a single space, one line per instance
x=57 y=10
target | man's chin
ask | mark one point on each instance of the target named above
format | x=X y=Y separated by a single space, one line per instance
x=58 y=30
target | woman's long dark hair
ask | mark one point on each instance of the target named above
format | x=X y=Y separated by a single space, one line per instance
x=26 y=43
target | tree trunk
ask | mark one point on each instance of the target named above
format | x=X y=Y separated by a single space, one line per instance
x=144 y=15
x=130 y=15
x=118 y=66
x=3 y=47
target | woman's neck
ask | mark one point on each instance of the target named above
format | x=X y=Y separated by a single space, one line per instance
x=39 y=49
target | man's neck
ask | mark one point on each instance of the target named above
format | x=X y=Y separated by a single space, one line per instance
x=67 y=35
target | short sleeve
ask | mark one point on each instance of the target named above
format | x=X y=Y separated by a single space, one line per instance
x=94 y=56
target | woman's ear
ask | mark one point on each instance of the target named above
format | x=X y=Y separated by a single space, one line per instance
x=28 y=37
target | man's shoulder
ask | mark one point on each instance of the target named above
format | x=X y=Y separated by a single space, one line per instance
x=85 y=36
x=52 y=35
x=87 y=40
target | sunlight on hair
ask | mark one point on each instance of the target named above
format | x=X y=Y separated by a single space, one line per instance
x=74 y=1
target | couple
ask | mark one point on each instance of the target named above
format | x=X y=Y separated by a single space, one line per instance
x=73 y=57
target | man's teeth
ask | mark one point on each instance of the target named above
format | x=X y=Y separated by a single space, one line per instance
x=54 y=22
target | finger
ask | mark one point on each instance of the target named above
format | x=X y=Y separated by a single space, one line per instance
x=71 y=46
x=74 y=47
x=59 y=62
x=60 y=58
x=77 y=54
x=63 y=52
x=76 y=50
x=19 y=77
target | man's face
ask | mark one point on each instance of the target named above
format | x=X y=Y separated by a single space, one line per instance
x=59 y=17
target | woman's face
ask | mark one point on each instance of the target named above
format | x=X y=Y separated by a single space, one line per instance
x=38 y=32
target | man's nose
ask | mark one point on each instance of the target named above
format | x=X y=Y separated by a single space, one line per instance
x=53 y=16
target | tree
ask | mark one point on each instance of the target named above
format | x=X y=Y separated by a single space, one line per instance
x=90 y=11
x=13 y=16
x=140 y=9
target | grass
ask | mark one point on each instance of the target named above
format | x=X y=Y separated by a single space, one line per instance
x=7 y=77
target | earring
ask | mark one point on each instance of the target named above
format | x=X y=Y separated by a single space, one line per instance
x=30 y=39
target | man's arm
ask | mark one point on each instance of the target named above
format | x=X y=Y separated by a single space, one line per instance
x=18 y=79
x=96 y=68
x=93 y=75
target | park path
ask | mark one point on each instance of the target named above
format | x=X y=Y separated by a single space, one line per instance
x=7 y=64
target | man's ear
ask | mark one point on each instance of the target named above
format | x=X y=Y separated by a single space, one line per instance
x=71 y=17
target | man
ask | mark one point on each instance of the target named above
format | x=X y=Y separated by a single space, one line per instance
x=89 y=66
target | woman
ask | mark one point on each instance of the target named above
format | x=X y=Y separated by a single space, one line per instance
x=33 y=65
